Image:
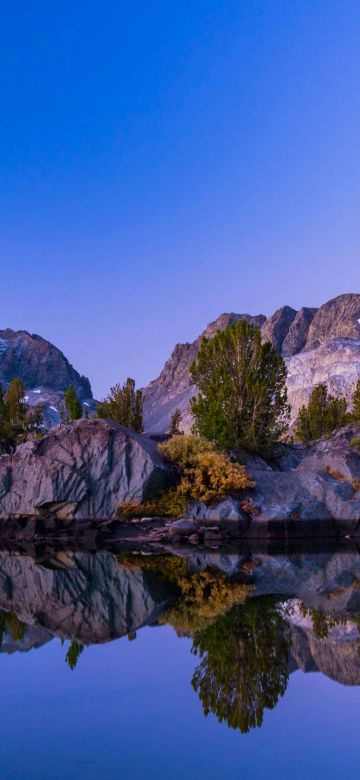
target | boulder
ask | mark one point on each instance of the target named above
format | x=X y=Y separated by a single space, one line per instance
x=308 y=491
x=82 y=469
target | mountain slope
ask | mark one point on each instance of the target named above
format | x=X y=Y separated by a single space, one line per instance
x=319 y=345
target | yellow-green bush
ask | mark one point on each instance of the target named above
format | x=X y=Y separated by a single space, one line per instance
x=205 y=474
x=212 y=477
x=169 y=504
x=183 y=451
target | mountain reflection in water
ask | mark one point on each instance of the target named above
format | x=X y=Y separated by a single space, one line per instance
x=253 y=618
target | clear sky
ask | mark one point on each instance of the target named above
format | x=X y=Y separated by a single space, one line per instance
x=165 y=161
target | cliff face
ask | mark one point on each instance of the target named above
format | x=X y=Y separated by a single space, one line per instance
x=319 y=345
x=38 y=364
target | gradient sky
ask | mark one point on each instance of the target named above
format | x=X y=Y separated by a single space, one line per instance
x=163 y=162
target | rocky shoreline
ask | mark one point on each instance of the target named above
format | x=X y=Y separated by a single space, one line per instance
x=70 y=482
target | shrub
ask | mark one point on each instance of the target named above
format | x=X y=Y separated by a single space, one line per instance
x=169 y=504
x=183 y=451
x=206 y=474
x=212 y=477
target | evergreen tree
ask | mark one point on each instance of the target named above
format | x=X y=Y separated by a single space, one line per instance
x=123 y=405
x=302 y=429
x=356 y=402
x=175 y=421
x=17 y=422
x=242 y=400
x=15 y=403
x=322 y=415
x=73 y=405
x=3 y=423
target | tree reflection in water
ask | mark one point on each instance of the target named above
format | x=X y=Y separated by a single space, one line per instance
x=244 y=666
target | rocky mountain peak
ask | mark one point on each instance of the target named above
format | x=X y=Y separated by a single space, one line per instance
x=338 y=318
x=38 y=363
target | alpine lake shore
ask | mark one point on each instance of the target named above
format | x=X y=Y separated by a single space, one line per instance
x=67 y=486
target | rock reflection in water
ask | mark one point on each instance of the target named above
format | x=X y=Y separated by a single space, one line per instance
x=253 y=618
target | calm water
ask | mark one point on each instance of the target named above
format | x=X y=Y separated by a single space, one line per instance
x=244 y=665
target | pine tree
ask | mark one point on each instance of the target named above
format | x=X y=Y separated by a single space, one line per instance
x=73 y=405
x=302 y=429
x=242 y=400
x=323 y=414
x=356 y=403
x=123 y=405
x=3 y=422
x=15 y=403
x=175 y=421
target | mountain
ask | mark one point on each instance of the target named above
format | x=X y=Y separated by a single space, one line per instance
x=44 y=370
x=38 y=364
x=173 y=388
x=319 y=345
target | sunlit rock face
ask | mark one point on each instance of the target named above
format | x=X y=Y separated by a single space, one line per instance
x=82 y=469
x=319 y=345
x=339 y=318
x=336 y=363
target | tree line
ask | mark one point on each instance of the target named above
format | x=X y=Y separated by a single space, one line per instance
x=241 y=403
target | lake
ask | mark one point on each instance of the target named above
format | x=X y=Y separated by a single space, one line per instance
x=220 y=663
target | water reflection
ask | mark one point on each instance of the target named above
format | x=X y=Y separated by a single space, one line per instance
x=252 y=618
x=244 y=666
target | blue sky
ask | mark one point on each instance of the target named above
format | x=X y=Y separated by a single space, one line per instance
x=163 y=162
